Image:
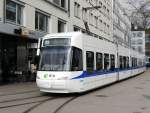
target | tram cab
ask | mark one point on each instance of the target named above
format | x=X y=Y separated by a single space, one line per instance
x=61 y=59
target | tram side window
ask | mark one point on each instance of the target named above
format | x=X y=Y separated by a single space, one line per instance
x=112 y=60
x=90 y=61
x=124 y=62
x=127 y=62
x=99 y=61
x=77 y=62
x=106 y=61
x=121 y=62
x=132 y=62
x=136 y=62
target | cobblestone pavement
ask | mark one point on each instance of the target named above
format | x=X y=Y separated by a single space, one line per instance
x=129 y=96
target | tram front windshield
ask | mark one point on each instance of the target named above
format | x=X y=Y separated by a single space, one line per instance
x=55 y=58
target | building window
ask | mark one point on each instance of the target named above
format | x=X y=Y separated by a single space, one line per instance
x=77 y=10
x=61 y=3
x=84 y=14
x=76 y=28
x=41 y=22
x=96 y=21
x=61 y=26
x=91 y=18
x=14 y=12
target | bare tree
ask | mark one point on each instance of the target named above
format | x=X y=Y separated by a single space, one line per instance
x=140 y=13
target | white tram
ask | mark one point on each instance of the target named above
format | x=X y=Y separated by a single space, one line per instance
x=75 y=62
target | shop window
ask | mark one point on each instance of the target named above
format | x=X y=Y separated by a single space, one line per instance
x=90 y=62
x=99 y=61
x=14 y=12
x=41 y=21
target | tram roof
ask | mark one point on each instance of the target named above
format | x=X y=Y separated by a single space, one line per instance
x=64 y=34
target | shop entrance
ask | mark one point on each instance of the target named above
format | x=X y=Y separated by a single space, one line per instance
x=8 y=59
x=15 y=57
x=0 y=60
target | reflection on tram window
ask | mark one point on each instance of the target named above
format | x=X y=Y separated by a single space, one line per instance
x=112 y=64
x=90 y=61
x=77 y=62
x=99 y=61
x=55 y=59
x=106 y=61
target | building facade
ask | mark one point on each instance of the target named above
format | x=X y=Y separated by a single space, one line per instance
x=147 y=47
x=121 y=25
x=22 y=22
x=98 y=21
x=138 y=41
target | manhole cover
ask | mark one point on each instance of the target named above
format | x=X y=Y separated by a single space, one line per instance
x=139 y=88
x=143 y=108
x=147 y=96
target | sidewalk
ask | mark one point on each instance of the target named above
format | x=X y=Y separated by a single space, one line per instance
x=18 y=88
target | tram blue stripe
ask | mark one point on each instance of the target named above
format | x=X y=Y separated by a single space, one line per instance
x=85 y=74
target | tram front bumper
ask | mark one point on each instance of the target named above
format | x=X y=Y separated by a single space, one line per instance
x=54 y=86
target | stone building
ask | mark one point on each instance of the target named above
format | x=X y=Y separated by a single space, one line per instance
x=22 y=22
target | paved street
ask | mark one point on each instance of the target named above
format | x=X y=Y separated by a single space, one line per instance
x=129 y=96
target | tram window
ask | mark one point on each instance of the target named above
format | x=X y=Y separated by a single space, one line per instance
x=106 y=61
x=90 y=61
x=124 y=62
x=77 y=62
x=112 y=60
x=127 y=62
x=121 y=62
x=99 y=61
x=132 y=62
x=135 y=62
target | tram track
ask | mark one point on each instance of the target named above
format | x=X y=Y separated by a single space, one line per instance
x=17 y=93
x=26 y=103
x=57 y=109
x=19 y=99
x=35 y=106
x=34 y=101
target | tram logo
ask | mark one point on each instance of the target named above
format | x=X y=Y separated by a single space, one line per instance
x=45 y=75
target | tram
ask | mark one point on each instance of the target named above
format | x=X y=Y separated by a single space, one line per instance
x=75 y=62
